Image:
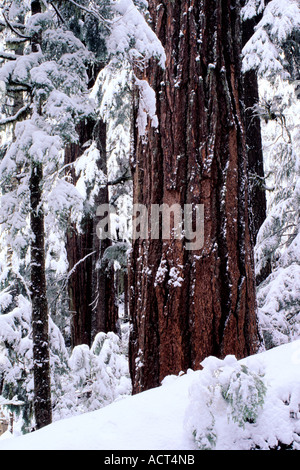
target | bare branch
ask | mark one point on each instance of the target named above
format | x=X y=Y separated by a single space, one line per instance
x=14 y=30
x=70 y=273
x=121 y=180
x=15 y=117
x=57 y=12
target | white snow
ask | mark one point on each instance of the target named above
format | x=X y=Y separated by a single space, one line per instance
x=263 y=51
x=129 y=26
x=155 y=420
x=147 y=106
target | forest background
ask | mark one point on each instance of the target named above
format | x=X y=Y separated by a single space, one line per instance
x=81 y=90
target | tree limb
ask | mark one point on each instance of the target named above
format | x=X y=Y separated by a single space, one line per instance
x=8 y=56
x=57 y=12
x=15 y=25
x=70 y=273
x=122 y=179
x=28 y=38
x=92 y=12
x=15 y=117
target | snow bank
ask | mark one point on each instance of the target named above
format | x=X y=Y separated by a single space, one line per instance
x=154 y=420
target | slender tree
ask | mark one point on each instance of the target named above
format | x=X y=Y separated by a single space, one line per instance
x=186 y=305
x=257 y=191
x=40 y=314
x=254 y=138
x=53 y=79
x=104 y=308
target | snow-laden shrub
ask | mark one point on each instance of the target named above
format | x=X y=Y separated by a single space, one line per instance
x=227 y=391
x=87 y=380
x=278 y=240
x=265 y=49
x=16 y=361
x=279 y=306
x=100 y=373
x=232 y=408
x=16 y=380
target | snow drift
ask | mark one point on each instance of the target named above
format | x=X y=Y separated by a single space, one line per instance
x=159 y=419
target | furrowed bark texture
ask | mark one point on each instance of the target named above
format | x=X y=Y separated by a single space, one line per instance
x=79 y=246
x=197 y=155
x=104 y=307
x=91 y=288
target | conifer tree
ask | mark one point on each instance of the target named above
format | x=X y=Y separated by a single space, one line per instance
x=123 y=37
x=54 y=71
x=40 y=313
x=186 y=305
x=272 y=52
x=51 y=71
x=258 y=203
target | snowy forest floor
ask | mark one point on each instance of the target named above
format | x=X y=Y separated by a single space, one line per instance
x=156 y=419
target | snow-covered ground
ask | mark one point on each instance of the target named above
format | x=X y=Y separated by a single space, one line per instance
x=155 y=420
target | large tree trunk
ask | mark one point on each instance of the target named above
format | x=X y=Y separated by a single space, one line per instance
x=105 y=311
x=196 y=156
x=40 y=314
x=79 y=249
x=91 y=287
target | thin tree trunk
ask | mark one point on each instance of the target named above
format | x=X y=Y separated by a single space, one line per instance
x=196 y=156
x=255 y=155
x=40 y=315
x=257 y=192
x=254 y=140
x=126 y=296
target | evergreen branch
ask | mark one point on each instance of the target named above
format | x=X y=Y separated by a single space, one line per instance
x=57 y=12
x=92 y=12
x=15 y=117
x=8 y=56
x=21 y=278
x=15 y=41
x=15 y=25
x=280 y=232
x=260 y=181
x=67 y=165
x=17 y=87
x=14 y=30
x=291 y=315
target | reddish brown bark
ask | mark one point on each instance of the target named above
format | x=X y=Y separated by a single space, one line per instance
x=104 y=307
x=196 y=156
x=91 y=288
